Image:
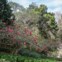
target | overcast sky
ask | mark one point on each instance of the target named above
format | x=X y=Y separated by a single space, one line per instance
x=53 y=5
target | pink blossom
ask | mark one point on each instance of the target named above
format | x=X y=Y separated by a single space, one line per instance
x=18 y=33
x=4 y=23
x=10 y=30
x=24 y=43
x=30 y=32
x=35 y=39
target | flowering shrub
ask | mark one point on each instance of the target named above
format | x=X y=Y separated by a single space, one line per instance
x=19 y=39
x=8 y=37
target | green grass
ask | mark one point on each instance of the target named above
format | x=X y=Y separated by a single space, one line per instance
x=18 y=58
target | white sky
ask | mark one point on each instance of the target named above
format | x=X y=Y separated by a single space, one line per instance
x=53 y=5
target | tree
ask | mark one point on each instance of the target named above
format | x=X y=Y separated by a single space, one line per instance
x=7 y=28
x=33 y=6
x=59 y=20
x=5 y=12
x=46 y=22
x=47 y=27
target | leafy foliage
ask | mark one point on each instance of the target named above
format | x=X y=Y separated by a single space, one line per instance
x=5 y=12
x=14 y=58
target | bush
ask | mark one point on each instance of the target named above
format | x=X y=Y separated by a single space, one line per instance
x=26 y=52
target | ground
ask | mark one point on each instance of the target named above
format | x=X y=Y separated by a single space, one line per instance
x=19 y=58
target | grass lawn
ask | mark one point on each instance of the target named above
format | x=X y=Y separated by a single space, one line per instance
x=18 y=58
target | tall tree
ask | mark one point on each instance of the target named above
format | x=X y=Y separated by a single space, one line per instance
x=46 y=22
x=5 y=12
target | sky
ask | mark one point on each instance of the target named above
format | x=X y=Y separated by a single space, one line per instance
x=53 y=5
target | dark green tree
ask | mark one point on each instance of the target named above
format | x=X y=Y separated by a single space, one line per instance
x=6 y=12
